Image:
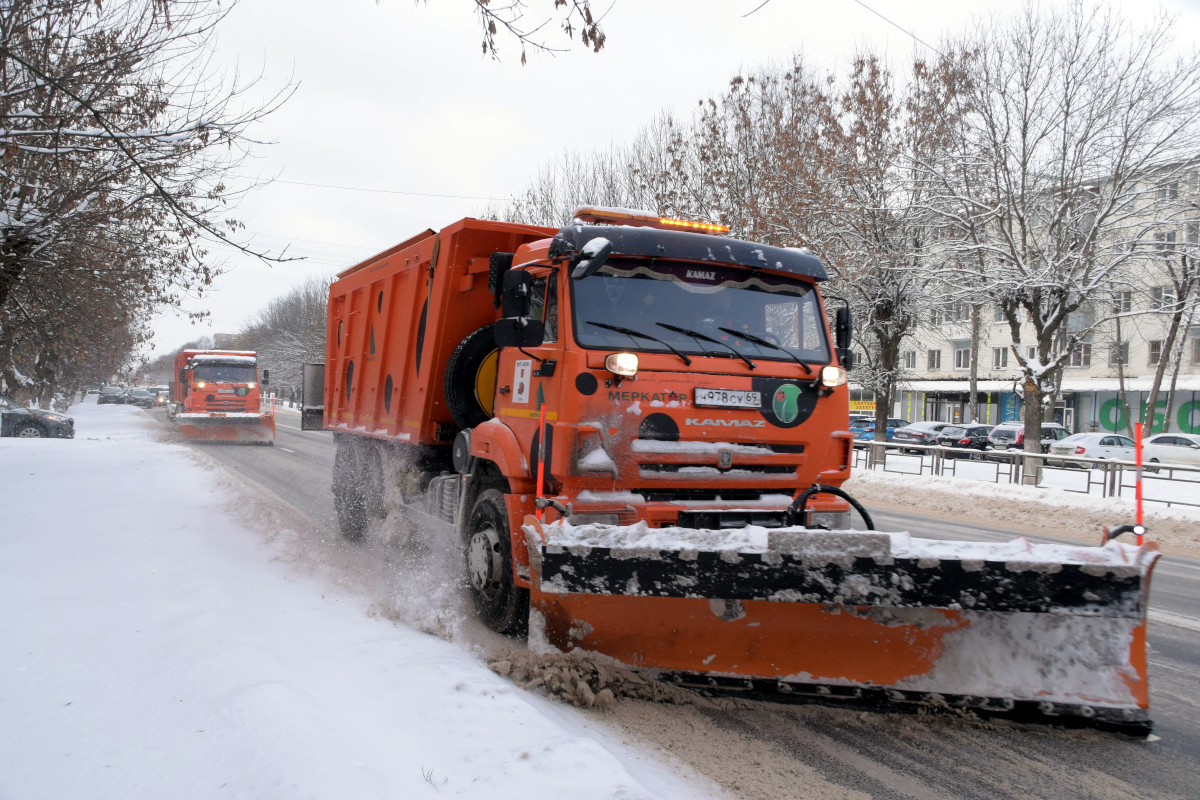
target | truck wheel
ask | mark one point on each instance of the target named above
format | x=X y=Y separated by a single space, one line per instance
x=349 y=499
x=471 y=378
x=370 y=472
x=502 y=605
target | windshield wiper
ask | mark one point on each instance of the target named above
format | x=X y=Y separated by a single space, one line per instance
x=749 y=337
x=701 y=337
x=632 y=332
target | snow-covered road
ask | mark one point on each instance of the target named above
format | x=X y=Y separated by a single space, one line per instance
x=157 y=642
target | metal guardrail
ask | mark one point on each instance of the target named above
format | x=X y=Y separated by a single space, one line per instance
x=1168 y=484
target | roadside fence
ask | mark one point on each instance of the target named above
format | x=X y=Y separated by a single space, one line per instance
x=1165 y=484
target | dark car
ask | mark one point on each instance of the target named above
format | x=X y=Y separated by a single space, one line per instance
x=1011 y=435
x=139 y=397
x=923 y=433
x=111 y=394
x=973 y=437
x=33 y=423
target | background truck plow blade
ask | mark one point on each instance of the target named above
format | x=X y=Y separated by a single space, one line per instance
x=227 y=427
x=1052 y=633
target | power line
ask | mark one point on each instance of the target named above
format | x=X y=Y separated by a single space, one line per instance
x=897 y=27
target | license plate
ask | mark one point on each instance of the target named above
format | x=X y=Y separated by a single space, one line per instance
x=727 y=398
x=224 y=391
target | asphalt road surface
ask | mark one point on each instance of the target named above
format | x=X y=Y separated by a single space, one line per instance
x=764 y=750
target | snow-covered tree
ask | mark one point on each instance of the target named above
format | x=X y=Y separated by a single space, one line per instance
x=1072 y=124
x=118 y=138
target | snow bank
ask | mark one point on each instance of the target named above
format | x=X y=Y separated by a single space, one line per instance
x=156 y=646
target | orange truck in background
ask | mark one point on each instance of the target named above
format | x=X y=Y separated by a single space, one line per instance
x=637 y=430
x=216 y=396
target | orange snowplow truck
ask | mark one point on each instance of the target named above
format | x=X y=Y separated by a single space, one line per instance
x=637 y=430
x=216 y=397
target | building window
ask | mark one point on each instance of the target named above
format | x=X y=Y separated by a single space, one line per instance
x=962 y=357
x=1031 y=352
x=1122 y=301
x=1164 y=242
x=1168 y=192
x=935 y=359
x=1191 y=232
x=1081 y=355
x=910 y=359
x=999 y=357
x=1155 y=352
x=1196 y=350
x=1118 y=354
x=999 y=315
x=1162 y=298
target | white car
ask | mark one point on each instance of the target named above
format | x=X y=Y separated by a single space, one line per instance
x=1098 y=446
x=1172 y=448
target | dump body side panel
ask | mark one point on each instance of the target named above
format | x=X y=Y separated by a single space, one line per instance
x=394 y=322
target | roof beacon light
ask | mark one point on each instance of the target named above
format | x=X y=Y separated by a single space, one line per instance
x=597 y=215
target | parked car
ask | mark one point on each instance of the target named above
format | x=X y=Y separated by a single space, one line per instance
x=1172 y=448
x=865 y=429
x=1011 y=435
x=140 y=397
x=33 y=423
x=923 y=433
x=974 y=437
x=111 y=394
x=1098 y=446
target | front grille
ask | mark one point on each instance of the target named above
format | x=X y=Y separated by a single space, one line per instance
x=683 y=469
x=700 y=460
x=707 y=495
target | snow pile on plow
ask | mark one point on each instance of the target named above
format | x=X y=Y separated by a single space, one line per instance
x=1041 y=632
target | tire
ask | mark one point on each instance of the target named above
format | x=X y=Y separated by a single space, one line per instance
x=349 y=498
x=487 y=549
x=28 y=431
x=470 y=383
x=370 y=470
x=1153 y=470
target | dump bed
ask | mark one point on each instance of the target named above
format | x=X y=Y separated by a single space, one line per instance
x=395 y=319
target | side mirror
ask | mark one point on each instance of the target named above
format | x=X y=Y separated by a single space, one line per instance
x=590 y=258
x=519 y=332
x=183 y=376
x=266 y=377
x=516 y=296
x=842 y=327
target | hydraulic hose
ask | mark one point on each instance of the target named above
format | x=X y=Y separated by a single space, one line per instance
x=795 y=512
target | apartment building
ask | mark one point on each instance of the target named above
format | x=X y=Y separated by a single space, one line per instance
x=1126 y=331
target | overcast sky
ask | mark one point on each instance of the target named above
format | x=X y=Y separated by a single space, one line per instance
x=399 y=124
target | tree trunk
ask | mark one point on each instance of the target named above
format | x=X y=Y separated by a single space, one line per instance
x=973 y=401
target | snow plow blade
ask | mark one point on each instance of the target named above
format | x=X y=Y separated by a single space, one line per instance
x=245 y=427
x=1044 y=633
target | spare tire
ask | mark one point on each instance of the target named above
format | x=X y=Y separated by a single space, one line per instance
x=470 y=383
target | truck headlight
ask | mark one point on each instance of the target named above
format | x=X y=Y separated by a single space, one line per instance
x=833 y=376
x=623 y=364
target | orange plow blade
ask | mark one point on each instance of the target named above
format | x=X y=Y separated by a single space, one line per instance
x=1041 y=633
x=241 y=428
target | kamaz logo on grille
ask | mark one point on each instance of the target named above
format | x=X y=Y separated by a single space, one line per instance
x=726 y=423
x=701 y=275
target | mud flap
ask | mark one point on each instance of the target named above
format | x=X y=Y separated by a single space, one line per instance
x=1035 y=632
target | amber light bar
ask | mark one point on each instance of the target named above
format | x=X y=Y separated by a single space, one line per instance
x=621 y=216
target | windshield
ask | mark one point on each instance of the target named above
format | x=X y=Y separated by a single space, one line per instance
x=639 y=294
x=224 y=373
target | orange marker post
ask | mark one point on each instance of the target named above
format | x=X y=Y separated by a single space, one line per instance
x=541 y=467
x=1137 y=451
